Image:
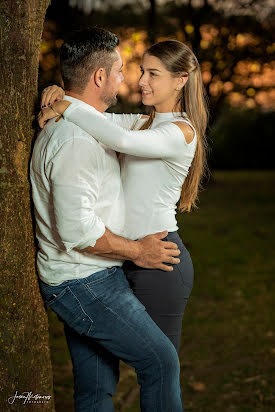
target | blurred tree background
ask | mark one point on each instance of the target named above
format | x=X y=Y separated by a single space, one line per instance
x=234 y=42
x=228 y=335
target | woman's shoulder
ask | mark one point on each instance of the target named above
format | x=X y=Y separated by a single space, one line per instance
x=187 y=130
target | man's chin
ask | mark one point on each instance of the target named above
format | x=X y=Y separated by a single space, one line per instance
x=113 y=102
x=110 y=101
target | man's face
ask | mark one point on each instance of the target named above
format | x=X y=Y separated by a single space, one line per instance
x=109 y=94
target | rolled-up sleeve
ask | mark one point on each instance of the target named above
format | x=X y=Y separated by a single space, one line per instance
x=74 y=177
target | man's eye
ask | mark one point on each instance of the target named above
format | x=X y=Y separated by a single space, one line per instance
x=152 y=74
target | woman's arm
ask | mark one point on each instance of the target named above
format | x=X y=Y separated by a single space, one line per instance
x=166 y=142
x=55 y=93
x=125 y=120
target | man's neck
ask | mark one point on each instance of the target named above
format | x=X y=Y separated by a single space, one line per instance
x=88 y=99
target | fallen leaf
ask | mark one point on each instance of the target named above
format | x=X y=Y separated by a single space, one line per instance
x=252 y=379
x=197 y=386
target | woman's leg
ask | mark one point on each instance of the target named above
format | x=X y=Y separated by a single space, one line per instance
x=164 y=294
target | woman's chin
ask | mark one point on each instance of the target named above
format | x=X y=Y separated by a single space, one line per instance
x=147 y=101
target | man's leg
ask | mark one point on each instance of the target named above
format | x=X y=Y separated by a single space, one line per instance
x=104 y=308
x=95 y=370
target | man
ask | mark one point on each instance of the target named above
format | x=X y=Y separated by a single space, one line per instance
x=79 y=211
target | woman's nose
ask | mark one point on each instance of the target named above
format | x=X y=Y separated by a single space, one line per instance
x=142 y=81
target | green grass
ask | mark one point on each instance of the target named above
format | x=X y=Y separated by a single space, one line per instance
x=228 y=340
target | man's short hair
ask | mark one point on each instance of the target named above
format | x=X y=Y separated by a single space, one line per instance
x=84 y=52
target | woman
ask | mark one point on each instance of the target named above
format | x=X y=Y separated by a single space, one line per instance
x=162 y=166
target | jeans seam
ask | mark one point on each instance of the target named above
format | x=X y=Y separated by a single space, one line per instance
x=189 y=285
x=99 y=280
x=133 y=329
x=147 y=343
x=94 y=296
x=180 y=275
x=97 y=377
x=91 y=320
x=80 y=305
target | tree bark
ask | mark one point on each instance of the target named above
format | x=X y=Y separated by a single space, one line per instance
x=24 y=344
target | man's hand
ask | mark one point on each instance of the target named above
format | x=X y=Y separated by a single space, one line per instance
x=154 y=252
x=50 y=95
x=150 y=252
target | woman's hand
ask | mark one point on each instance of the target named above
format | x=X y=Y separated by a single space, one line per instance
x=50 y=95
x=56 y=109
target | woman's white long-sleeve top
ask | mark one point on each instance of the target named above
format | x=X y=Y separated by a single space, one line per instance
x=153 y=168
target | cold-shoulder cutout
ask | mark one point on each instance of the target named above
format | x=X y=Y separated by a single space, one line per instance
x=187 y=131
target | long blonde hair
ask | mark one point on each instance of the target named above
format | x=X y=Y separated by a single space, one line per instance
x=177 y=59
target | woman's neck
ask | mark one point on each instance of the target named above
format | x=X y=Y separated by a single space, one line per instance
x=167 y=108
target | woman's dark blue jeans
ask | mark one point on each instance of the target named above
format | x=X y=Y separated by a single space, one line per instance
x=105 y=322
x=164 y=294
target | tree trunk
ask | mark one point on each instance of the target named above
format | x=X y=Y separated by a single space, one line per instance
x=24 y=344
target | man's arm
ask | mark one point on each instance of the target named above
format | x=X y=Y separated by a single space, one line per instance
x=149 y=252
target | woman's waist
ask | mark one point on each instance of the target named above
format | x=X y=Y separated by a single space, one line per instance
x=172 y=236
x=139 y=228
x=153 y=199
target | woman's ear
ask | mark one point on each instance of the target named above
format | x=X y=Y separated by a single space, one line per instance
x=100 y=77
x=182 y=80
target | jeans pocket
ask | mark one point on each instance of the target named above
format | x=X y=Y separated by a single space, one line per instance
x=68 y=307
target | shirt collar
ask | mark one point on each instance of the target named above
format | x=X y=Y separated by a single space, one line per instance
x=79 y=102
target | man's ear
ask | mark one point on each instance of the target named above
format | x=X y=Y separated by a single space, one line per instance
x=100 y=77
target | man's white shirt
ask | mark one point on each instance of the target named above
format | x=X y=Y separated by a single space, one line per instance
x=77 y=193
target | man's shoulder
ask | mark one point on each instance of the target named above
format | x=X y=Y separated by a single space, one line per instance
x=56 y=134
x=64 y=130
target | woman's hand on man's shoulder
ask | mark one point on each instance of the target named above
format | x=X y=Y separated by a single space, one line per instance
x=50 y=95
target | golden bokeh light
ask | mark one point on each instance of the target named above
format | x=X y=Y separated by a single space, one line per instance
x=189 y=28
x=249 y=83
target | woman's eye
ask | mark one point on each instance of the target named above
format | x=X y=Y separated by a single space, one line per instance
x=152 y=74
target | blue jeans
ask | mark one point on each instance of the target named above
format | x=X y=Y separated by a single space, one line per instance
x=105 y=322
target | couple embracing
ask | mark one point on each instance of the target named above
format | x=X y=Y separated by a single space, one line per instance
x=111 y=264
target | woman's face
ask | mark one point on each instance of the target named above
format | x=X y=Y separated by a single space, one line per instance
x=159 y=88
